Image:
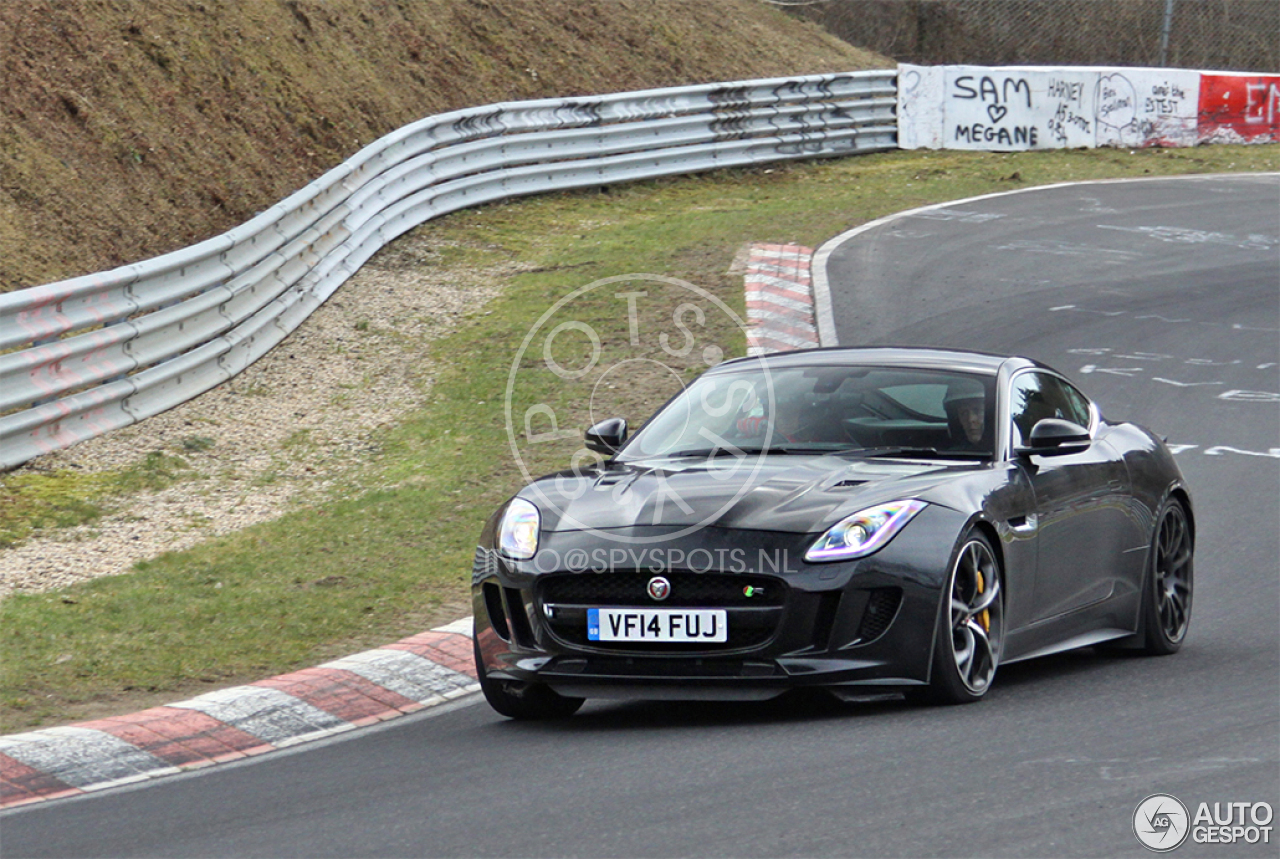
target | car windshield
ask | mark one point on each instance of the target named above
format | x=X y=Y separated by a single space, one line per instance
x=858 y=410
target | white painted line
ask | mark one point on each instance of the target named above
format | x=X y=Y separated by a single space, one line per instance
x=1220 y=449
x=462 y=690
x=315 y=735
x=1178 y=384
x=133 y=779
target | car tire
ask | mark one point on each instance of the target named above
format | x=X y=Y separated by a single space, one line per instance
x=1169 y=582
x=524 y=701
x=970 y=634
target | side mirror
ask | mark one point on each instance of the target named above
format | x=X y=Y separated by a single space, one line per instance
x=1054 y=437
x=607 y=436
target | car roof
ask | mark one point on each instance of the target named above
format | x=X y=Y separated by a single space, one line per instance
x=886 y=356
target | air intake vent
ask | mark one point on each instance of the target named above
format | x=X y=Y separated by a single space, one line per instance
x=518 y=618
x=497 y=617
x=824 y=618
x=881 y=608
x=845 y=484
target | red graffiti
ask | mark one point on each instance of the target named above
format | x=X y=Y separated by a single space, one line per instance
x=1239 y=108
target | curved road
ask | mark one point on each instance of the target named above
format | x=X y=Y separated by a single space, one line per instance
x=1162 y=299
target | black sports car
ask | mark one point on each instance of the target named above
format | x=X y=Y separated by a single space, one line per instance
x=859 y=520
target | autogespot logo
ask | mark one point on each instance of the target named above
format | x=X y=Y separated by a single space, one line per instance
x=1160 y=821
x=671 y=334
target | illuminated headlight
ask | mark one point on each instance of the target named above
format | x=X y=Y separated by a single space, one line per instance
x=518 y=533
x=864 y=532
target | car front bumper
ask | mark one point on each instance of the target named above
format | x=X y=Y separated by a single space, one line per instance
x=855 y=626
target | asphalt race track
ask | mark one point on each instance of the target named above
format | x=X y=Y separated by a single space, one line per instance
x=1162 y=299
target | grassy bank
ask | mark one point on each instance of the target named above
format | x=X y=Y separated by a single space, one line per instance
x=393 y=555
x=133 y=129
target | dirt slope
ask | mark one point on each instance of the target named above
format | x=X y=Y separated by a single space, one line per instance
x=129 y=129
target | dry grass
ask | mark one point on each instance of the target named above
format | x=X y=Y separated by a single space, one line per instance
x=132 y=129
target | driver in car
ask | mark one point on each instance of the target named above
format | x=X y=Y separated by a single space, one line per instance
x=966 y=405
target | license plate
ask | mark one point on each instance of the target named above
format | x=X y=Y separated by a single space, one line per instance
x=657 y=624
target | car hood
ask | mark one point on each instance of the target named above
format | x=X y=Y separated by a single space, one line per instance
x=789 y=493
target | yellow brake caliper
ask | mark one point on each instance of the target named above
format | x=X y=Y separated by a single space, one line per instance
x=984 y=616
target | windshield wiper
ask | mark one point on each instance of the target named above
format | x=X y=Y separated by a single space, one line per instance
x=710 y=452
x=916 y=452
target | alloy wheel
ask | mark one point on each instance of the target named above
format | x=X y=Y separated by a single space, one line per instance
x=977 y=616
x=1172 y=570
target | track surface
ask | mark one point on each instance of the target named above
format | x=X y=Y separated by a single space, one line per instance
x=1153 y=296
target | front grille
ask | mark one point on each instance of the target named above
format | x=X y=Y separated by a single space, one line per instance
x=688 y=590
x=754 y=605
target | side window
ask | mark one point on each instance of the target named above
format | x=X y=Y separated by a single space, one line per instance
x=1037 y=396
x=1076 y=403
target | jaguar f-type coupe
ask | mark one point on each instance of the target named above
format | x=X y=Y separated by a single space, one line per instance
x=860 y=520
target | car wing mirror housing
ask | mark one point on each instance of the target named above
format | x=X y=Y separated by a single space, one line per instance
x=1055 y=437
x=607 y=436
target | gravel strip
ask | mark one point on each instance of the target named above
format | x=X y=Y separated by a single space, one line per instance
x=283 y=433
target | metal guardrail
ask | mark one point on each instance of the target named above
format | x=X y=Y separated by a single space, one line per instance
x=84 y=356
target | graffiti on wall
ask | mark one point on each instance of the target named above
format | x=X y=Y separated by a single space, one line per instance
x=990 y=109
x=1016 y=108
x=1240 y=108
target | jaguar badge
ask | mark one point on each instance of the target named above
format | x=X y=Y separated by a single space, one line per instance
x=659 y=588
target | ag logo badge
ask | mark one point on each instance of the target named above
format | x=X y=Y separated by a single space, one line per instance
x=1161 y=823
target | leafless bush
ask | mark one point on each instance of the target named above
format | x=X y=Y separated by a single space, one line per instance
x=1238 y=35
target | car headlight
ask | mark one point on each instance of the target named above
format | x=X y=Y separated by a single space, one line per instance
x=518 y=533
x=864 y=532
